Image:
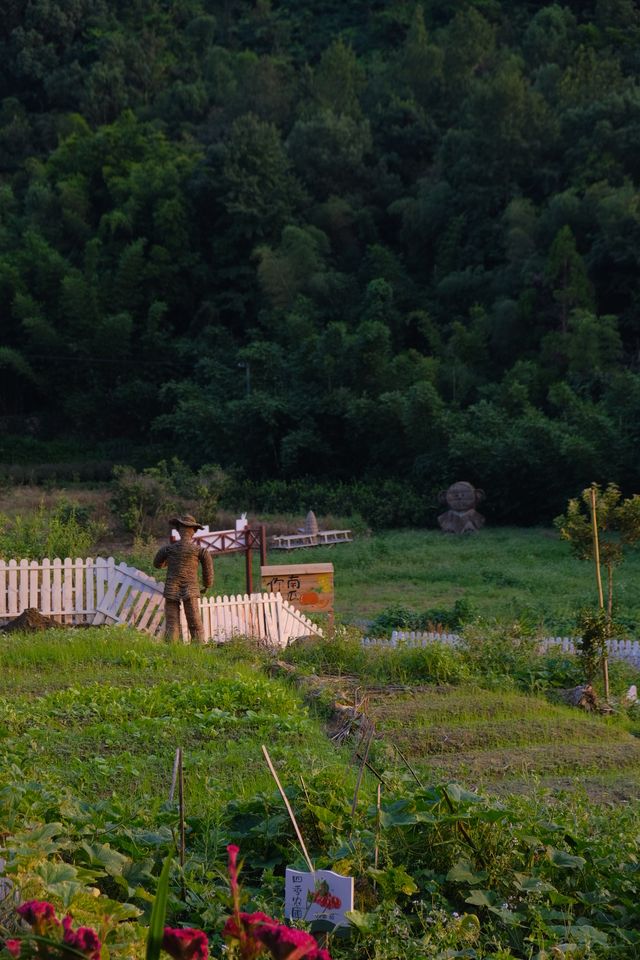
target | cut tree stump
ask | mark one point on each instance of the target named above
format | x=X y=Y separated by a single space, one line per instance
x=585 y=697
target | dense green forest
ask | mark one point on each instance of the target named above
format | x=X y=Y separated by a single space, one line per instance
x=317 y=238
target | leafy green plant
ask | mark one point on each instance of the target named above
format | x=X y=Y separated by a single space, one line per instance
x=399 y=617
x=158 y=913
x=342 y=653
x=618 y=526
x=139 y=500
x=594 y=630
x=64 y=531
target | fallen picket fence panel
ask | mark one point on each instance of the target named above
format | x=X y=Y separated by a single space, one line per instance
x=101 y=591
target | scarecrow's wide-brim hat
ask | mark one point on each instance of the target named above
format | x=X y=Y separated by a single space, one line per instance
x=186 y=521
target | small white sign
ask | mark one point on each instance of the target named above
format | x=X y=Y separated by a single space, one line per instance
x=323 y=895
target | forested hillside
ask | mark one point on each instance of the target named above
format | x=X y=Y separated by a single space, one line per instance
x=327 y=238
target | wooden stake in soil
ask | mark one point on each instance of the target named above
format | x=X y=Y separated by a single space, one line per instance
x=596 y=547
x=408 y=766
x=181 y=810
x=289 y=810
x=183 y=844
x=596 y=557
x=378 y=822
x=360 y=773
x=174 y=778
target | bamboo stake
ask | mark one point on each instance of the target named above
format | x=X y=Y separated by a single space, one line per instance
x=408 y=766
x=360 y=773
x=596 y=547
x=378 y=821
x=174 y=778
x=371 y=769
x=289 y=810
x=596 y=556
x=183 y=843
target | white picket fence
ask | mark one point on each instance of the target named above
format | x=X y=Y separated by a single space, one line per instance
x=267 y=616
x=628 y=650
x=99 y=591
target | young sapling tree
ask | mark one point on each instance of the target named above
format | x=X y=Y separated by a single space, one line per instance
x=599 y=525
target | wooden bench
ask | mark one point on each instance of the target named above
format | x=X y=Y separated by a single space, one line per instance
x=294 y=541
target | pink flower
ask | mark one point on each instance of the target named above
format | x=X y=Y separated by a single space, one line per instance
x=247 y=923
x=242 y=927
x=84 y=939
x=185 y=943
x=14 y=947
x=39 y=914
x=233 y=852
x=287 y=943
x=257 y=932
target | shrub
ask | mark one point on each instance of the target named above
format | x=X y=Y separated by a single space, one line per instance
x=140 y=499
x=341 y=652
x=397 y=617
x=65 y=531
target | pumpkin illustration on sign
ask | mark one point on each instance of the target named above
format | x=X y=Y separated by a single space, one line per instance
x=310 y=597
x=323 y=897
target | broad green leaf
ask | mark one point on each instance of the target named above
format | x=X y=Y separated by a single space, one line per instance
x=364 y=922
x=482 y=898
x=463 y=872
x=532 y=884
x=393 y=881
x=566 y=861
x=101 y=854
x=52 y=873
x=582 y=934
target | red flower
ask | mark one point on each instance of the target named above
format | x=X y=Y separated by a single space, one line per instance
x=84 y=939
x=233 y=852
x=14 y=947
x=258 y=932
x=287 y=943
x=243 y=928
x=185 y=943
x=39 y=914
x=247 y=922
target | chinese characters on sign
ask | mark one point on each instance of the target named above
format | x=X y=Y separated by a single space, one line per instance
x=308 y=586
x=323 y=895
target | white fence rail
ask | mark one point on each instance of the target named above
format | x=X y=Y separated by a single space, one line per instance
x=101 y=591
x=628 y=650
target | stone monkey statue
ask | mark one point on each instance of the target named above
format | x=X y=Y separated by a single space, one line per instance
x=462 y=499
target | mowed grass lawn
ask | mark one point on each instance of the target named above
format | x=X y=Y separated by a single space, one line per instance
x=505 y=574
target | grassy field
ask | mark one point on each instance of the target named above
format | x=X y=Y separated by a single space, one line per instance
x=505 y=574
x=100 y=713
x=542 y=854
x=90 y=720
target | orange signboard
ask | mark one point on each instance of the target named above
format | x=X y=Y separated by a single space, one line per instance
x=307 y=586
